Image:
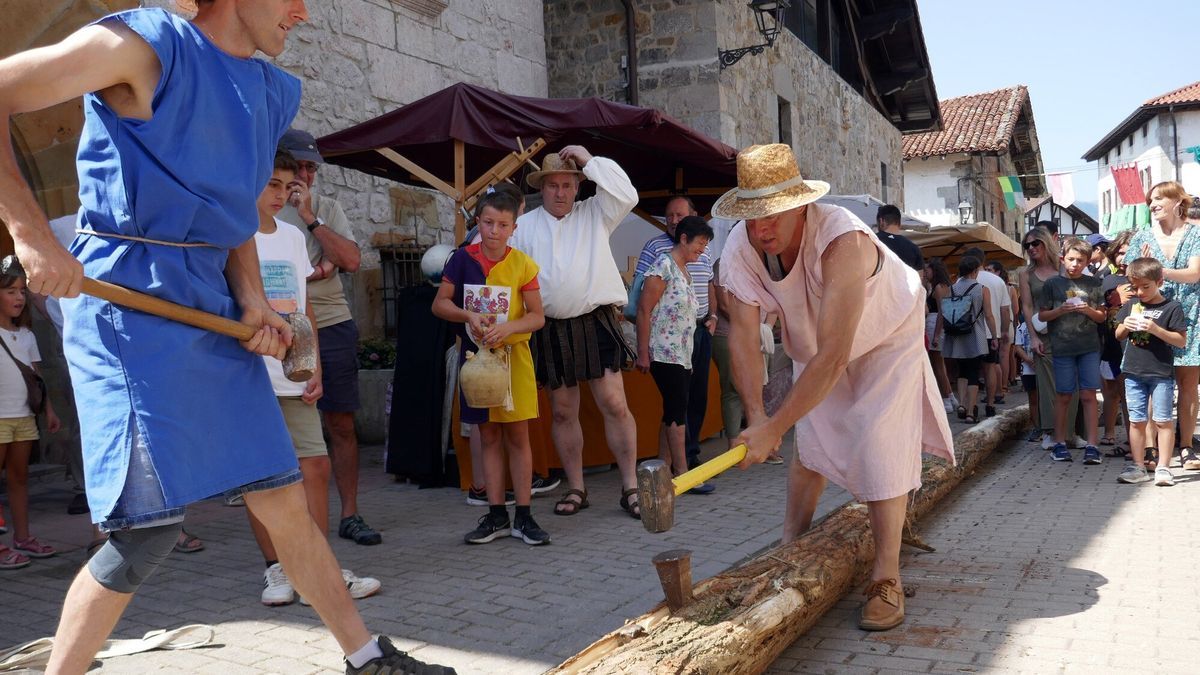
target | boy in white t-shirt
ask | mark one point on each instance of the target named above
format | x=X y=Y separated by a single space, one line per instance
x=283 y=260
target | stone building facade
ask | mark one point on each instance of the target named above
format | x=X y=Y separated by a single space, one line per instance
x=786 y=94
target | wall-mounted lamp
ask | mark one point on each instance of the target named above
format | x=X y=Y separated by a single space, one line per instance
x=964 y=212
x=768 y=15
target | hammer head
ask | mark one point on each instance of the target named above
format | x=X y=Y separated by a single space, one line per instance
x=300 y=364
x=656 y=495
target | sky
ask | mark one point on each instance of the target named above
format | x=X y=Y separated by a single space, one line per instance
x=1088 y=63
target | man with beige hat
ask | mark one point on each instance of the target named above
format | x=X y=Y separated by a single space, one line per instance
x=864 y=402
x=581 y=290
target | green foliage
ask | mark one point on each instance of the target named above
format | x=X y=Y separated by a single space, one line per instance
x=376 y=354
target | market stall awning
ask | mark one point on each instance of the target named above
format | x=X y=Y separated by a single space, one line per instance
x=463 y=138
x=948 y=243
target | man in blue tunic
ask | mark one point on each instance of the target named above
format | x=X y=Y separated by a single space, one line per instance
x=180 y=130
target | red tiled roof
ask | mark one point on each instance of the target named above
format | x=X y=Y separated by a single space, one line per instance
x=974 y=123
x=1188 y=94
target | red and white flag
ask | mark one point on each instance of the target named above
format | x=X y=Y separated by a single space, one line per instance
x=1062 y=188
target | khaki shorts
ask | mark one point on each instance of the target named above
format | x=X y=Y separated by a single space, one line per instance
x=16 y=429
x=304 y=424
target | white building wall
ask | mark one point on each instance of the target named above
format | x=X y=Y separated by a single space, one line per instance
x=926 y=183
x=1153 y=150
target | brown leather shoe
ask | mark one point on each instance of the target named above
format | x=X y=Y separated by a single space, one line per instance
x=884 y=609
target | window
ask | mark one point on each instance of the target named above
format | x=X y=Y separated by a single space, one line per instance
x=801 y=19
x=1145 y=129
x=1146 y=183
x=401 y=267
x=1106 y=203
x=883 y=182
x=784 y=110
x=1130 y=141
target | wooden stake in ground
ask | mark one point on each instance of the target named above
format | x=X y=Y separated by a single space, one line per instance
x=743 y=619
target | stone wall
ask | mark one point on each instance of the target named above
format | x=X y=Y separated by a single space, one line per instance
x=361 y=58
x=837 y=135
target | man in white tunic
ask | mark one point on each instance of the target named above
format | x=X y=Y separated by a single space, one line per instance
x=581 y=290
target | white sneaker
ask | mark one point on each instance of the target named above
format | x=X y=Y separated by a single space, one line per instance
x=1047 y=441
x=359 y=587
x=1163 y=477
x=950 y=404
x=1079 y=443
x=278 y=590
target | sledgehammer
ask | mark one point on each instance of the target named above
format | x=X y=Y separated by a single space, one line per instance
x=657 y=490
x=299 y=365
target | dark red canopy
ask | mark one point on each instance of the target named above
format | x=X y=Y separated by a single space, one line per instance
x=649 y=145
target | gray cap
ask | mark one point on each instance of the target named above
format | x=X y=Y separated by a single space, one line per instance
x=302 y=145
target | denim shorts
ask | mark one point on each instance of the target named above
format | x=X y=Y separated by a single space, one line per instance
x=1075 y=373
x=142 y=503
x=1160 y=389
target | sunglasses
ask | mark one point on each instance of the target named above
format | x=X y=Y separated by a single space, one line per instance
x=1032 y=244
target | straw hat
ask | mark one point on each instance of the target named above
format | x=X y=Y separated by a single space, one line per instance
x=769 y=182
x=552 y=163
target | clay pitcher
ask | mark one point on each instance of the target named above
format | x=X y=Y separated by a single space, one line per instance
x=484 y=379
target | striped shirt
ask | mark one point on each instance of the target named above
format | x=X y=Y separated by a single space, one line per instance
x=701 y=270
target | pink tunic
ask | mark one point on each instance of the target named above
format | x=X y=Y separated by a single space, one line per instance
x=869 y=432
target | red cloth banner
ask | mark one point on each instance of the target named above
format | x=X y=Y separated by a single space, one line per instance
x=1129 y=184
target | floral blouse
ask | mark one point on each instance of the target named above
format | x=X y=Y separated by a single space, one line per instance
x=673 y=319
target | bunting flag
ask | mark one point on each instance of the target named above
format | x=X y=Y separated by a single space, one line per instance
x=1014 y=195
x=1129 y=185
x=1062 y=188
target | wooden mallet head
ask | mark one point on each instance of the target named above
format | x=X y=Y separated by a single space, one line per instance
x=656 y=495
x=300 y=364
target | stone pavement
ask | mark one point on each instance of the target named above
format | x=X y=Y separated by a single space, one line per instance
x=501 y=607
x=1040 y=567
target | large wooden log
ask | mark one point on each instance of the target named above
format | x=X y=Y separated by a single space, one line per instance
x=743 y=619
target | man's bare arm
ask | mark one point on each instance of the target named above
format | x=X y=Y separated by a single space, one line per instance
x=109 y=58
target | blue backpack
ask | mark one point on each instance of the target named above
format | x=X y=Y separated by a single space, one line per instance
x=958 y=317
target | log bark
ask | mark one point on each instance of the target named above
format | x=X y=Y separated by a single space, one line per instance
x=744 y=618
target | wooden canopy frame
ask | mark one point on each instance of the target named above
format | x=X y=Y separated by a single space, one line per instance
x=465 y=195
x=678 y=191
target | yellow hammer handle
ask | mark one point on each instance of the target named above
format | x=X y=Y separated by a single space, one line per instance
x=712 y=467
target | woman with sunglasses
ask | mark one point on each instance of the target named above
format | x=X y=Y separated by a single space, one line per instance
x=1174 y=242
x=1041 y=248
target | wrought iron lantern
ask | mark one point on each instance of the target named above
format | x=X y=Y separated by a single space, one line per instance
x=768 y=16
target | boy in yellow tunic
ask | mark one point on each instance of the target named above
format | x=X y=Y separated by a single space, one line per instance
x=492 y=290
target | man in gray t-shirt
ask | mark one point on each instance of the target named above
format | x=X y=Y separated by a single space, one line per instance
x=331 y=249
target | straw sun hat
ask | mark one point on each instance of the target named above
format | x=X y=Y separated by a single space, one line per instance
x=769 y=182
x=552 y=163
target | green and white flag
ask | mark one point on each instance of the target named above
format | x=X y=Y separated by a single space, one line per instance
x=1014 y=196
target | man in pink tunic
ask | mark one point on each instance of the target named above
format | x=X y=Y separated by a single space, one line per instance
x=864 y=401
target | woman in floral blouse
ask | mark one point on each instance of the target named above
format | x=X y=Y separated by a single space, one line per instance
x=666 y=322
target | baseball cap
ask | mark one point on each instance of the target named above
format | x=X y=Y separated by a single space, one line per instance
x=302 y=145
x=1094 y=240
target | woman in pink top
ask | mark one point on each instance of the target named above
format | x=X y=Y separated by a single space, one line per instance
x=864 y=401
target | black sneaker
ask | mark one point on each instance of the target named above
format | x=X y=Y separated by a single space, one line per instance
x=479 y=497
x=396 y=662
x=527 y=530
x=353 y=528
x=488 y=529
x=541 y=486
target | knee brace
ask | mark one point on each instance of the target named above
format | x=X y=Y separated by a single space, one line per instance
x=130 y=556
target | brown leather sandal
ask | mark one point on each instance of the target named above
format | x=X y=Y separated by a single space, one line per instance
x=569 y=507
x=634 y=509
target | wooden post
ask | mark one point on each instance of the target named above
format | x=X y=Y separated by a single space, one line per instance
x=460 y=185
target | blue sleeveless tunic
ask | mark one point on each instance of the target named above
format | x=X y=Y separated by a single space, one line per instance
x=201 y=403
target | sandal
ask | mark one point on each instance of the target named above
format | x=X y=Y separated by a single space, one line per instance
x=33 y=548
x=961 y=412
x=1118 y=451
x=11 y=560
x=569 y=507
x=186 y=543
x=633 y=508
x=1151 y=459
x=1107 y=440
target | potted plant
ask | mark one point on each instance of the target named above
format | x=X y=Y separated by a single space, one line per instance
x=376 y=360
